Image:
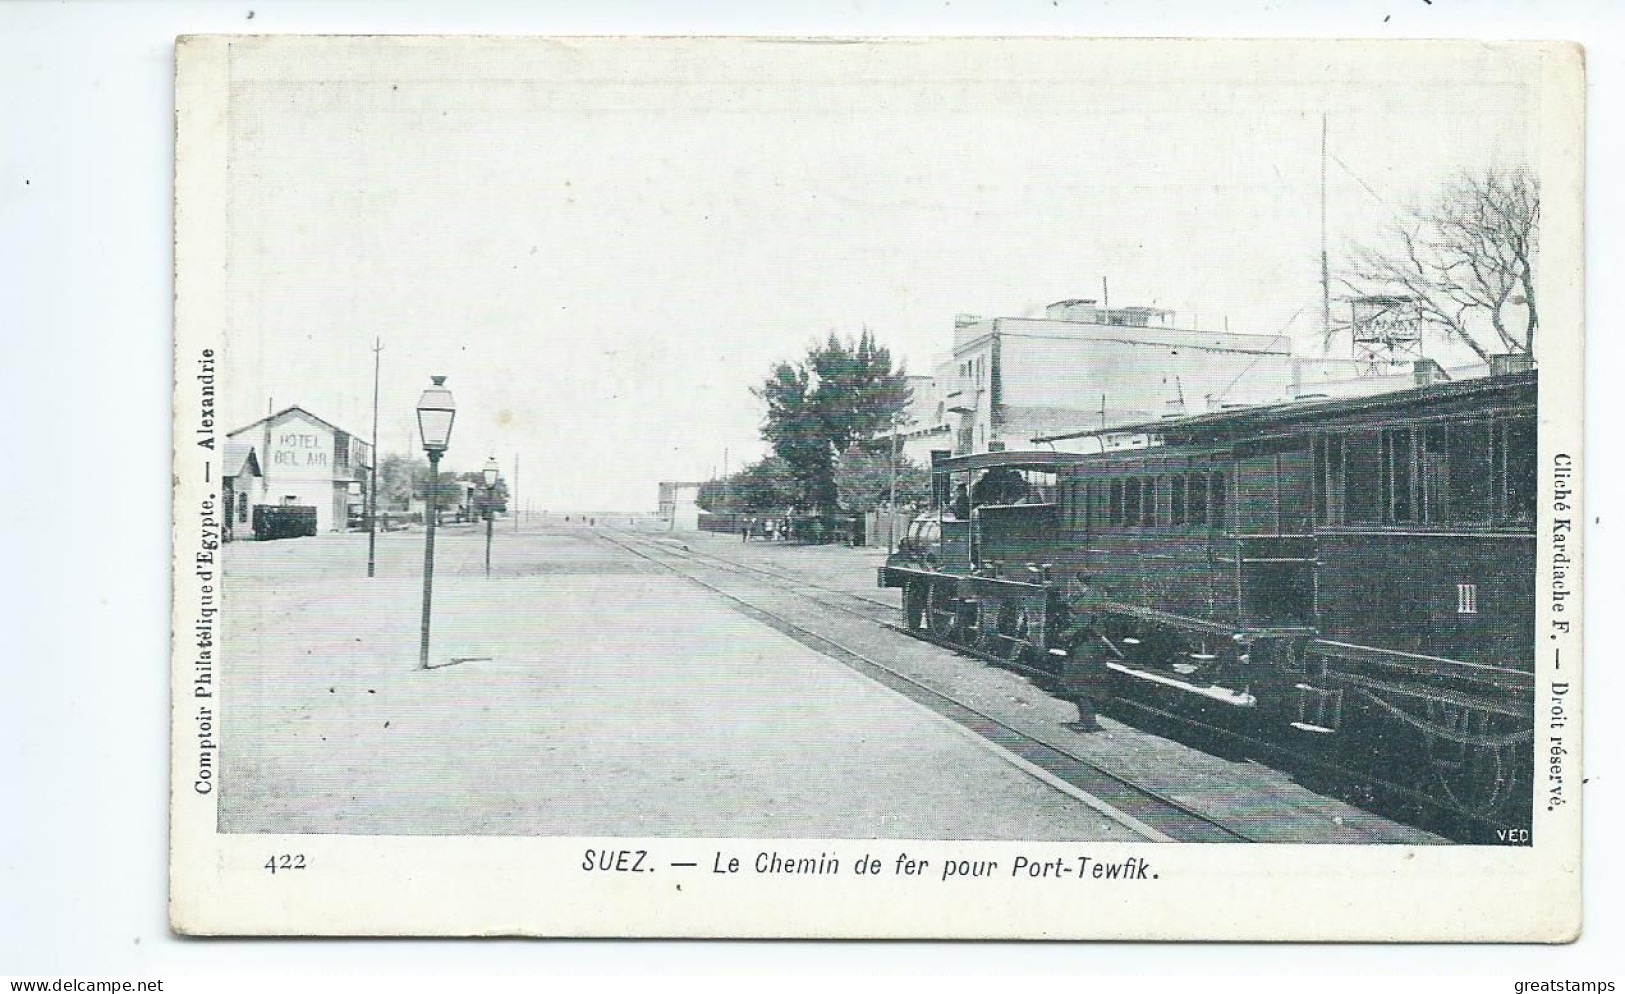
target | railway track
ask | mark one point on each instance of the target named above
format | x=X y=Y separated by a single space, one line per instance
x=1150 y=813
x=1383 y=797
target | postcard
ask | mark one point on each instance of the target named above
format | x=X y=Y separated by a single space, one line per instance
x=884 y=488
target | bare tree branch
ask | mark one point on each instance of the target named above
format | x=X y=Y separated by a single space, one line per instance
x=1467 y=261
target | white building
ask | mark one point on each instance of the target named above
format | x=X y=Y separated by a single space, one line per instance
x=680 y=505
x=1085 y=366
x=239 y=485
x=302 y=461
x=925 y=424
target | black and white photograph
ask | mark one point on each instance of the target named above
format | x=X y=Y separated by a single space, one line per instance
x=939 y=488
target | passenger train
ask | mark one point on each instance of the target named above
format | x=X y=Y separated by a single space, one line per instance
x=1352 y=578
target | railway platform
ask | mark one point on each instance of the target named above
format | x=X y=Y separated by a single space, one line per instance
x=579 y=690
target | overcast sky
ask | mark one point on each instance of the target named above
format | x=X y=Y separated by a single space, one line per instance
x=604 y=250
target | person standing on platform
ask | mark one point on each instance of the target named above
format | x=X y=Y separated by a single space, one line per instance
x=1084 y=675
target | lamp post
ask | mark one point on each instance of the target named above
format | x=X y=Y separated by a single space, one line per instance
x=436 y=411
x=491 y=471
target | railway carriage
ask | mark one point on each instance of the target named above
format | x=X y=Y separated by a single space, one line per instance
x=1353 y=578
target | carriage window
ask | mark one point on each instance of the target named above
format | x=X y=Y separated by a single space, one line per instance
x=1196 y=499
x=1329 y=479
x=1431 y=461
x=1320 y=479
x=1470 y=477
x=1363 y=478
x=1176 y=500
x=1117 y=502
x=1148 y=502
x=1216 y=500
x=1131 y=501
x=1396 y=444
x=1519 y=488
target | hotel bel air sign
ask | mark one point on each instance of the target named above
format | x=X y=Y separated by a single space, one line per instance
x=300 y=448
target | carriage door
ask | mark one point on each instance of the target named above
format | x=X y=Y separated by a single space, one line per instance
x=1275 y=544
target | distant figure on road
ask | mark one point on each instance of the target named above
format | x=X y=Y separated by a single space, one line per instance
x=772 y=530
x=744 y=530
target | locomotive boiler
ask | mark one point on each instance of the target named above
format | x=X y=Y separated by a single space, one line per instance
x=1351 y=578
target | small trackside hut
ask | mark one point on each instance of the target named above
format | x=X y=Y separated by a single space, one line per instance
x=1351 y=577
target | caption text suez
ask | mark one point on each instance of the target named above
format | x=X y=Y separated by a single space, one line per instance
x=774 y=863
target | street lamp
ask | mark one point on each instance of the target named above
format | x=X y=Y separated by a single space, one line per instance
x=491 y=471
x=436 y=411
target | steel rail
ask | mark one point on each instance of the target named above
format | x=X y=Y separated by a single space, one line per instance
x=1275 y=754
x=1176 y=819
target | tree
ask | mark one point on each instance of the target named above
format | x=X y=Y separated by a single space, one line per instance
x=842 y=394
x=863 y=477
x=1466 y=261
x=795 y=430
x=399 y=479
x=764 y=486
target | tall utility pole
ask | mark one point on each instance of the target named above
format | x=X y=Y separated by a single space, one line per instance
x=513 y=493
x=372 y=485
x=1325 y=271
x=891 y=499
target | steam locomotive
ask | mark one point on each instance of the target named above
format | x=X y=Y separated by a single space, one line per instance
x=1353 y=578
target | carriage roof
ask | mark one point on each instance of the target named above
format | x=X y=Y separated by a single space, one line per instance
x=1268 y=416
x=1032 y=459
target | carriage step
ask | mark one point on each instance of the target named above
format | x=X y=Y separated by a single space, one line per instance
x=1220 y=694
x=1319 y=710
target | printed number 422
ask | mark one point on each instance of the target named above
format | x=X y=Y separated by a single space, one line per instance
x=286 y=861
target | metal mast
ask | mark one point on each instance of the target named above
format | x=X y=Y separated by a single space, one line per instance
x=372 y=484
x=1325 y=271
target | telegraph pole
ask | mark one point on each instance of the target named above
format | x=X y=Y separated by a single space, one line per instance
x=372 y=487
x=891 y=500
x=1325 y=272
x=513 y=493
